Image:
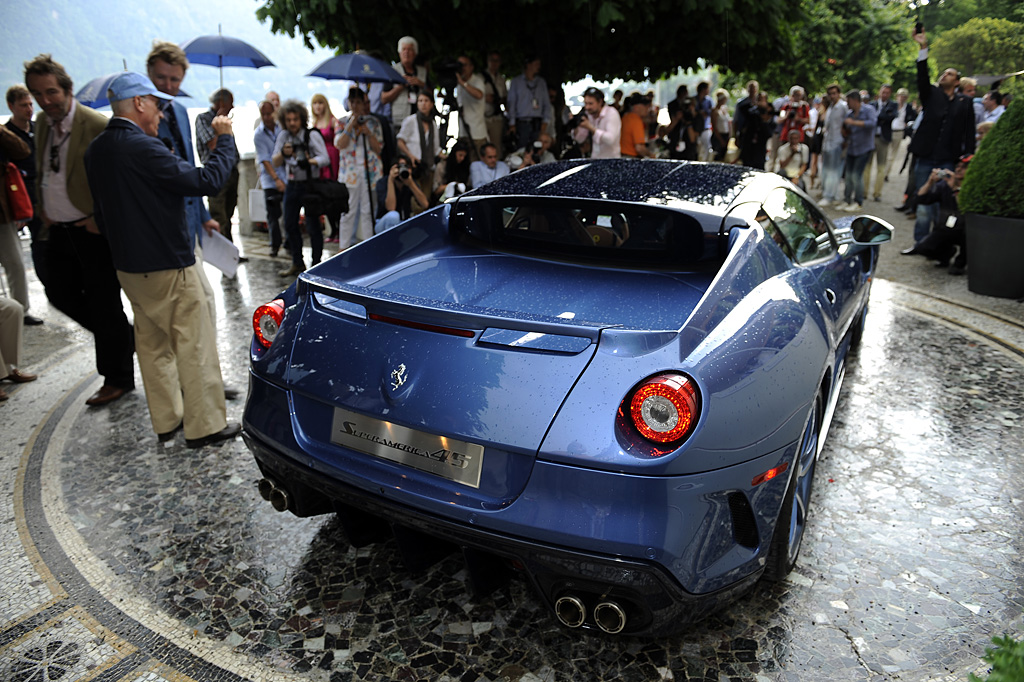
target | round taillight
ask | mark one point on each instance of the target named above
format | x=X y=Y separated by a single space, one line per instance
x=664 y=408
x=267 y=320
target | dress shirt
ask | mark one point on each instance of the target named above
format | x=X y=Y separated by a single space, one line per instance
x=56 y=201
x=527 y=99
x=604 y=141
x=994 y=114
x=264 y=140
x=862 y=138
x=832 y=137
x=480 y=173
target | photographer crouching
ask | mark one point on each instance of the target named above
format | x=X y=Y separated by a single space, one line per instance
x=402 y=196
x=947 y=237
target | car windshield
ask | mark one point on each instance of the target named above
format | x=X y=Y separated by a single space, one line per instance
x=606 y=231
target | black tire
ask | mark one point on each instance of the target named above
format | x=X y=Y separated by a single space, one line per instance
x=792 y=522
x=857 y=331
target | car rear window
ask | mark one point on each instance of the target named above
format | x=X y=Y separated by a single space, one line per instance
x=605 y=231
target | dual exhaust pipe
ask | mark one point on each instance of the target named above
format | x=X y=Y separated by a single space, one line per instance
x=609 y=616
x=276 y=496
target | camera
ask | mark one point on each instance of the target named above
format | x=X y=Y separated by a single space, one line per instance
x=576 y=120
x=537 y=152
x=448 y=74
x=944 y=174
x=403 y=171
x=363 y=119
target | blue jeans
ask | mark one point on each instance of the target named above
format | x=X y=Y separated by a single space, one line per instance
x=854 y=188
x=386 y=222
x=927 y=214
x=831 y=171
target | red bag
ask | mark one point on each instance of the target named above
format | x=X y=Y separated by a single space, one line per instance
x=17 y=195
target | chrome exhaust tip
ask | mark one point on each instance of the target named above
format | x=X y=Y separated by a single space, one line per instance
x=610 y=617
x=279 y=499
x=570 y=611
x=266 y=488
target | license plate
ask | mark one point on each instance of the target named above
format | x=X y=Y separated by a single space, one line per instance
x=446 y=457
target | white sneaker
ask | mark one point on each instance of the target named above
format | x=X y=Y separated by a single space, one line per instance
x=851 y=207
x=824 y=203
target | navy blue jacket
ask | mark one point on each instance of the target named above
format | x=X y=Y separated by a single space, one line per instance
x=195 y=209
x=139 y=188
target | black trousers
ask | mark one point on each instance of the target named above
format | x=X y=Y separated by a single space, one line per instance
x=82 y=284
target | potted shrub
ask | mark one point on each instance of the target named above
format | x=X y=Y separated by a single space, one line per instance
x=992 y=202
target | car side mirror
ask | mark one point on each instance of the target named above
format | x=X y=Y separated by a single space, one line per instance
x=870 y=230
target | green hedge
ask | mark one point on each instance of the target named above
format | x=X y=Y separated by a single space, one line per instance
x=994 y=183
x=1007 y=658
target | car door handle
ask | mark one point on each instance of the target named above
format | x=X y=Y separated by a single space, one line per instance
x=831 y=295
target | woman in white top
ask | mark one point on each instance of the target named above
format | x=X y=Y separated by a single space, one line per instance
x=420 y=140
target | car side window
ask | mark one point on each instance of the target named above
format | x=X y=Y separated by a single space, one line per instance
x=800 y=224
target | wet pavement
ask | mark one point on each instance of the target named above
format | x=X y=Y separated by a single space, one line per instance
x=129 y=559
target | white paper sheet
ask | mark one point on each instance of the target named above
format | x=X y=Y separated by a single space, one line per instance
x=220 y=253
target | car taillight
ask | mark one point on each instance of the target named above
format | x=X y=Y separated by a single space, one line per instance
x=664 y=408
x=267 y=320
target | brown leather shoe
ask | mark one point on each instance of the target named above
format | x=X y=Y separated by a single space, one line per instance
x=3 y=396
x=19 y=377
x=107 y=394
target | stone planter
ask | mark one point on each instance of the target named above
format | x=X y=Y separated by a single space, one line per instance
x=995 y=255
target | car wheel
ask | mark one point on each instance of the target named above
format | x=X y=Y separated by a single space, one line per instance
x=789 y=530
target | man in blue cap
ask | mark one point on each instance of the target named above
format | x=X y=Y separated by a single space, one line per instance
x=139 y=188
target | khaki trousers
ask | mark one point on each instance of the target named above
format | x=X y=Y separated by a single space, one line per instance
x=177 y=350
x=11 y=316
x=881 y=159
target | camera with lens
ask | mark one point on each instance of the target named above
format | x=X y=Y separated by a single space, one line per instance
x=576 y=120
x=403 y=171
x=448 y=74
x=363 y=119
x=537 y=152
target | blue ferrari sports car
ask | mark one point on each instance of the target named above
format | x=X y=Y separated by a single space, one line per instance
x=612 y=378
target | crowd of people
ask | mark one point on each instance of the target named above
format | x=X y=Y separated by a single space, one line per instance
x=390 y=153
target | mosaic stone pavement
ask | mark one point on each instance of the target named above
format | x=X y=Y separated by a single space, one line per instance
x=127 y=559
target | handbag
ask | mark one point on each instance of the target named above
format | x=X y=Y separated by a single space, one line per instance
x=325 y=197
x=17 y=194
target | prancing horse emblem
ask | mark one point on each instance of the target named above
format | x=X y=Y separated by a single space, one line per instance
x=398 y=377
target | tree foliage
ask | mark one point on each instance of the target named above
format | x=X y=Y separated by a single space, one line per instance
x=983 y=46
x=947 y=14
x=630 y=39
x=856 y=43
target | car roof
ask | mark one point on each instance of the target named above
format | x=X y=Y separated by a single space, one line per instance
x=648 y=181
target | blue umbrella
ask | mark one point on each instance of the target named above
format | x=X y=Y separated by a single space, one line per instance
x=221 y=51
x=359 y=67
x=94 y=93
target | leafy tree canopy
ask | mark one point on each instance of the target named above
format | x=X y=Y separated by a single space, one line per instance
x=856 y=43
x=630 y=39
x=983 y=46
x=946 y=14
